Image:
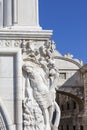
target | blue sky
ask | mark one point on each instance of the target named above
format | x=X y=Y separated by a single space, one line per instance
x=68 y=20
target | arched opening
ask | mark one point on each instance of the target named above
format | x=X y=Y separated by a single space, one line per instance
x=71 y=106
x=77 y=99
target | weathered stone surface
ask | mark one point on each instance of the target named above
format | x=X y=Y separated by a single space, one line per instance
x=31 y=70
x=19 y=14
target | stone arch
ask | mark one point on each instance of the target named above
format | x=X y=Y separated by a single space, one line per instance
x=76 y=98
x=6 y=123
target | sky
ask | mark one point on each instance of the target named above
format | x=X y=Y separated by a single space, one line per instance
x=68 y=20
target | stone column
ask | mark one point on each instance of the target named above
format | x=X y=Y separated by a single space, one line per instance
x=7 y=13
x=84 y=72
x=19 y=13
x=18 y=95
x=1 y=13
x=15 y=11
x=27 y=13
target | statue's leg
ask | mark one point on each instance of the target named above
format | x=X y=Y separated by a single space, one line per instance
x=57 y=117
x=46 y=119
x=51 y=111
x=54 y=128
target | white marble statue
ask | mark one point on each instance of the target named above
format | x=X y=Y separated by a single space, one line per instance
x=41 y=78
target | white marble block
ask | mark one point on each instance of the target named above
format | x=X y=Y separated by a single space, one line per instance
x=28 y=12
x=19 y=14
x=10 y=83
x=28 y=76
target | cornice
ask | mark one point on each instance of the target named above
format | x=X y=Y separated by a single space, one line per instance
x=25 y=34
x=70 y=60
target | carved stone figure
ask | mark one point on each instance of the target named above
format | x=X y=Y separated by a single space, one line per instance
x=41 y=80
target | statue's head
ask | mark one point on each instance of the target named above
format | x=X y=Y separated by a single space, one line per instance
x=27 y=66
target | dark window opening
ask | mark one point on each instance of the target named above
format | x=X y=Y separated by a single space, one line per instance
x=81 y=127
x=67 y=127
x=74 y=105
x=62 y=75
x=61 y=127
x=68 y=106
x=74 y=127
x=62 y=107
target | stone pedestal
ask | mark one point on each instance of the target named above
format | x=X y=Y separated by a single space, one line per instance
x=11 y=78
x=28 y=76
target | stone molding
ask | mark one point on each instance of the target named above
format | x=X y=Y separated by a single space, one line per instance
x=70 y=60
x=14 y=34
x=16 y=52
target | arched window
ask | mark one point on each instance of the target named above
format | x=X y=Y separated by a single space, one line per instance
x=74 y=105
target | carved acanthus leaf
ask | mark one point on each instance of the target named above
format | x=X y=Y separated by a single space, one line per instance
x=10 y=43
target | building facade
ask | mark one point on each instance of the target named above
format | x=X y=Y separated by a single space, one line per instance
x=72 y=92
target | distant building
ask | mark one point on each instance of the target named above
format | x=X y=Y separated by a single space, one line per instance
x=72 y=92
